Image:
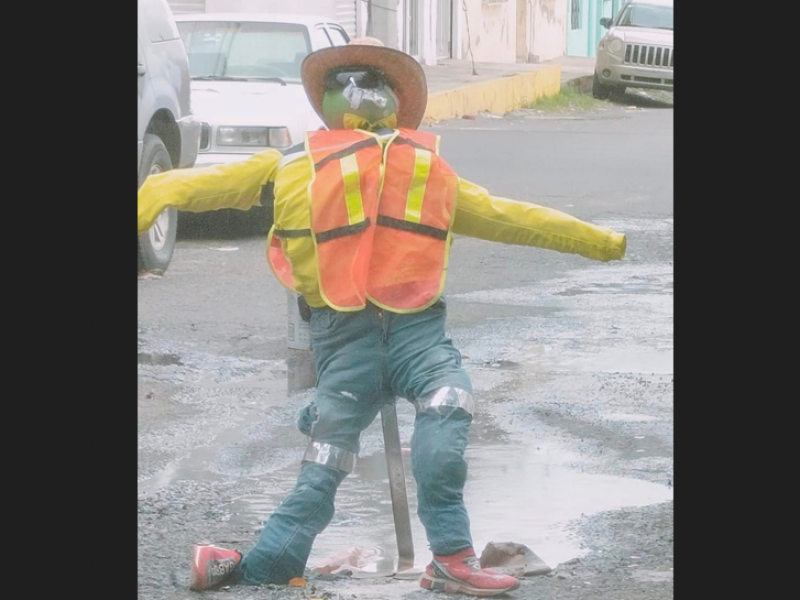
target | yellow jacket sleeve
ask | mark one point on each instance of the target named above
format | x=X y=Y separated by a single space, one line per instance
x=496 y=219
x=232 y=185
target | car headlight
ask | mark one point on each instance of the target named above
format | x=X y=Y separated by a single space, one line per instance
x=615 y=46
x=279 y=137
x=254 y=136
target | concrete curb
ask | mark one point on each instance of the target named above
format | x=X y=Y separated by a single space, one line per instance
x=583 y=84
x=497 y=96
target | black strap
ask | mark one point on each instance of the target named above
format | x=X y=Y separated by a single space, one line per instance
x=304 y=309
x=402 y=140
x=299 y=147
x=346 y=152
x=292 y=233
x=434 y=232
x=337 y=232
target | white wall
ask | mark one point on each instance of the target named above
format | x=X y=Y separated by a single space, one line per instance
x=426 y=28
x=428 y=33
x=548 y=29
x=492 y=30
x=492 y=24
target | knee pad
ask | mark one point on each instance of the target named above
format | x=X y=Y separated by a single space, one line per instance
x=330 y=456
x=447 y=396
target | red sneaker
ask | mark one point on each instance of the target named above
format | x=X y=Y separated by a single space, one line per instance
x=462 y=573
x=211 y=566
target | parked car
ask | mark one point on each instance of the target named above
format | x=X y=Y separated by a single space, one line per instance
x=168 y=133
x=246 y=87
x=637 y=51
x=246 y=90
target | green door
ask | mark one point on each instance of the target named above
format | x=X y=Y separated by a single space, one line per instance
x=578 y=27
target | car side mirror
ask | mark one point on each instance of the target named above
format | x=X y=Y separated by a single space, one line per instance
x=606 y=22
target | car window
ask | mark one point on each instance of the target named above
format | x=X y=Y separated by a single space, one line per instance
x=338 y=36
x=646 y=15
x=247 y=50
x=158 y=21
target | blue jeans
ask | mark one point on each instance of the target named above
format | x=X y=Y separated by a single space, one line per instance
x=365 y=359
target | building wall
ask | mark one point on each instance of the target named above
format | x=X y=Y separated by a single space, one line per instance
x=523 y=30
x=385 y=22
x=583 y=41
x=490 y=26
x=548 y=29
x=393 y=27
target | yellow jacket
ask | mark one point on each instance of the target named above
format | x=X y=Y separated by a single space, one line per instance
x=239 y=185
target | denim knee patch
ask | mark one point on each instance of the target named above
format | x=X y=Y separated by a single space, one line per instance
x=307 y=418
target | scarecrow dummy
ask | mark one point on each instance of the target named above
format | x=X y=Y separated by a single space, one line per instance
x=364 y=217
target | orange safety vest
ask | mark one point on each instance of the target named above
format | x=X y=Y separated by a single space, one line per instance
x=383 y=239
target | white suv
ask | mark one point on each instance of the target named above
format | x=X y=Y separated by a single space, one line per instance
x=638 y=50
x=246 y=89
x=169 y=135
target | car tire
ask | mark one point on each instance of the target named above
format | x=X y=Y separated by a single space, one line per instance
x=618 y=93
x=600 y=90
x=157 y=245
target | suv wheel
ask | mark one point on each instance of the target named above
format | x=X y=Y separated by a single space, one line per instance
x=600 y=90
x=156 y=246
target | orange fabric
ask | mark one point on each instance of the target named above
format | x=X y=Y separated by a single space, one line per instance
x=280 y=265
x=413 y=278
x=359 y=261
x=343 y=262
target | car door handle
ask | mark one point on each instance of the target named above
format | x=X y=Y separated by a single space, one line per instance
x=142 y=70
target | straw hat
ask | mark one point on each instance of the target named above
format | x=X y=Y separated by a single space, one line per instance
x=403 y=71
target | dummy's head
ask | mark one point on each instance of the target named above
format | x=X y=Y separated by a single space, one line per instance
x=359 y=97
x=365 y=85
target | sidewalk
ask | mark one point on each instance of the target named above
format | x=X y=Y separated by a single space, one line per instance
x=574 y=67
x=453 y=90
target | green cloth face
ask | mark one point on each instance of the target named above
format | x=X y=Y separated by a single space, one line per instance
x=352 y=107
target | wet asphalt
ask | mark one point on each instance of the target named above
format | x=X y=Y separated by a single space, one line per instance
x=571 y=450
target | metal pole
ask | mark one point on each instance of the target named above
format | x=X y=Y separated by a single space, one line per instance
x=397 y=487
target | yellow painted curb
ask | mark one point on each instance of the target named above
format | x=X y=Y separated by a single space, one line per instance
x=497 y=96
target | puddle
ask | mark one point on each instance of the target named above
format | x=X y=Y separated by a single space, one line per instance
x=631 y=280
x=514 y=494
x=630 y=288
x=503 y=364
x=624 y=417
x=522 y=494
x=609 y=319
x=652 y=576
x=254 y=406
x=146 y=358
x=606 y=318
x=634 y=360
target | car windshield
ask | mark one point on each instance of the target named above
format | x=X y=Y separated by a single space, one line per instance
x=646 y=15
x=226 y=50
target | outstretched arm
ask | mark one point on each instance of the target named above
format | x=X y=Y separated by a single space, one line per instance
x=480 y=215
x=232 y=185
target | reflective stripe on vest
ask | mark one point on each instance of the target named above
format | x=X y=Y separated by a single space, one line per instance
x=344 y=204
x=410 y=251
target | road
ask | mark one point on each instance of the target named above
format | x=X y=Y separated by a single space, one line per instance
x=571 y=451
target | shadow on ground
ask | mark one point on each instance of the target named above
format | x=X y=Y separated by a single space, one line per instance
x=645 y=99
